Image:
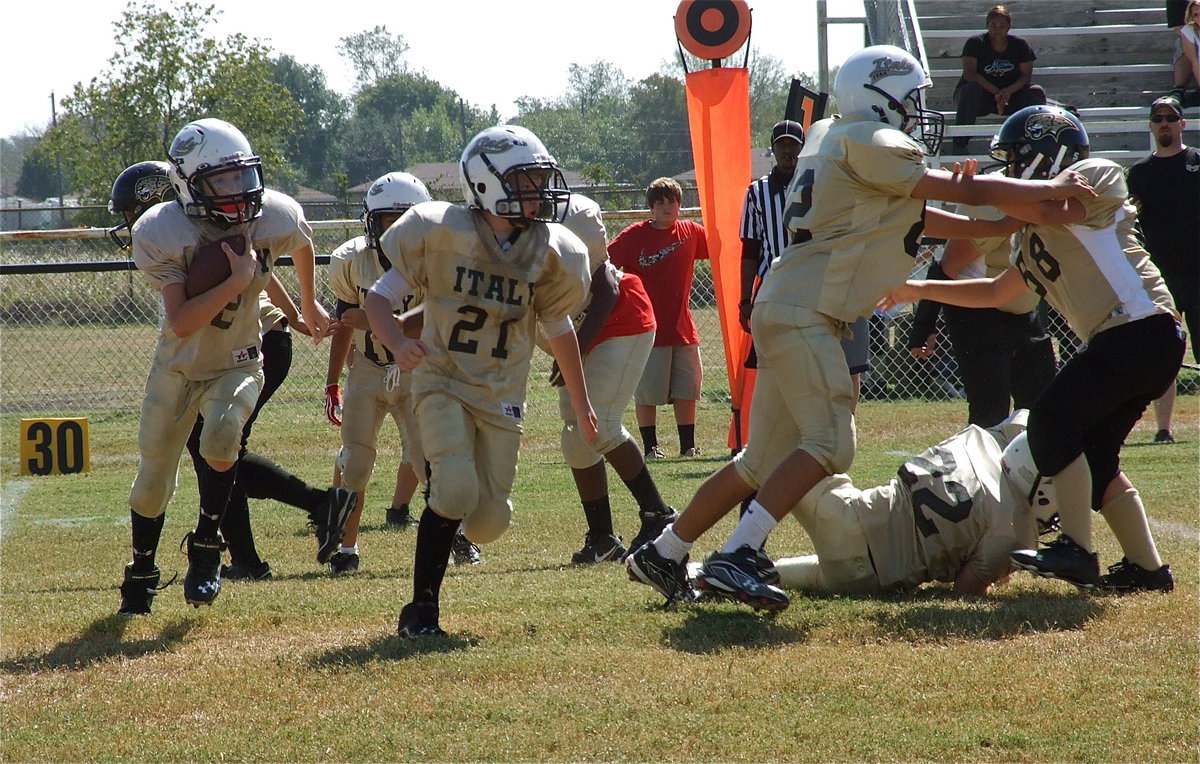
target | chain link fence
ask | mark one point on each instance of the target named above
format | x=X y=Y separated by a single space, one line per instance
x=78 y=327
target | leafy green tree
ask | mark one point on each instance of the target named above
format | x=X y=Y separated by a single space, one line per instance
x=164 y=74
x=314 y=148
x=376 y=55
x=658 y=129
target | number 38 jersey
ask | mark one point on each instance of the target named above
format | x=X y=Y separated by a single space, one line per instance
x=482 y=302
x=945 y=507
x=852 y=227
x=1094 y=272
x=164 y=241
x=353 y=268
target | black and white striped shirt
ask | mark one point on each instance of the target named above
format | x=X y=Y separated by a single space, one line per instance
x=762 y=218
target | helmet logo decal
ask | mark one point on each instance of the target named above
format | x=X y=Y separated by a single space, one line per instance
x=489 y=144
x=885 y=66
x=151 y=187
x=185 y=143
x=1042 y=124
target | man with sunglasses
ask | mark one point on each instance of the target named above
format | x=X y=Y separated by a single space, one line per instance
x=1165 y=186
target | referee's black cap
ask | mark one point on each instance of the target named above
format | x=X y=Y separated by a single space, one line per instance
x=787 y=129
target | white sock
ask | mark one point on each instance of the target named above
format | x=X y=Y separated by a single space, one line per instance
x=348 y=549
x=669 y=545
x=752 y=530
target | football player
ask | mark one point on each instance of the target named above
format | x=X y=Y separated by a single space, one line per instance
x=1083 y=257
x=489 y=270
x=375 y=386
x=856 y=211
x=616 y=332
x=208 y=359
x=953 y=513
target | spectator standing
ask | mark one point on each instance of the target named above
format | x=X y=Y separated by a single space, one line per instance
x=662 y=251
x=997 y=74
x=1187 y=52
x=1165 y=186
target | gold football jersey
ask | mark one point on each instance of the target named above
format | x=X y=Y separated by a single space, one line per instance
x=944 y=509
x=482 y=301
x=353 y=268
x=164 y=240
x=852 y=227
x=1094 y=272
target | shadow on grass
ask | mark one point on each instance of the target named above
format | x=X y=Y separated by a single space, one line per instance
x=390 y=647
x=938 y=615
x=711 y=629
x=102 y=640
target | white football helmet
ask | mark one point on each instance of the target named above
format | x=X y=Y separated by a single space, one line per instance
x=1017 y=465
x=505 y=167
x=216 y=174
x=886 y=83
x=391 y=193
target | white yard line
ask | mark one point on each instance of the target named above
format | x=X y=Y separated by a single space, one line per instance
x=14 y=491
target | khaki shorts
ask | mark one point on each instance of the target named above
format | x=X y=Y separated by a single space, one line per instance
x=367 y=402
x=612 y=370
x=673 y=373
x=473 y=465
x=803 y=395
x=169 y=412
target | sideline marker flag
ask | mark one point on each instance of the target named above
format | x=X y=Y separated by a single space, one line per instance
x=718 y=102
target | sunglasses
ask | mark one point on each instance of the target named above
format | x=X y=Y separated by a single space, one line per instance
x=1165 y=118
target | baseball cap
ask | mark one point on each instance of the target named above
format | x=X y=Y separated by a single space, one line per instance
x=787 y=129
x=1173 y=103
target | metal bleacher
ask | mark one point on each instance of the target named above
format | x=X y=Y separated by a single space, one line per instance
x=1107 y=59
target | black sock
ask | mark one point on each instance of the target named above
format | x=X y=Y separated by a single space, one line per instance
x=687 y=437
x=649 y=437
x=264 y=479
x=646 y=494
x=214 y=488
x=435 y=535
x=235 y=527
x=145 y=532
x=599 y=516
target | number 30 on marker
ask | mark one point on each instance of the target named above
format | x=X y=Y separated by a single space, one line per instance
x=55 y=446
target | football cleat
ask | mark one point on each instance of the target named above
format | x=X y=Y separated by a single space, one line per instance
x=1063 y=559
x=463 y=552
x=599 y=547
x=343 y=562
x=138 y=590
x=653 y=524
x=654 y=452
x=238 y=572
x=1126 y=576
x=664 y=575
x=735 y=576
x=419 y=619
x=202 y=582
x=691 y=453
x=1163 y=436
x=328 y=520
x=399 y=517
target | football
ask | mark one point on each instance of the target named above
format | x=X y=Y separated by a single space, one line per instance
x=210 y=266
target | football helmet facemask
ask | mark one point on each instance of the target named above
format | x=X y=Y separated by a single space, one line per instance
x=506 y=168
x=1039 y=142
x=216 y=174
x=390 y=194
x=886 y=83
x=138 y=188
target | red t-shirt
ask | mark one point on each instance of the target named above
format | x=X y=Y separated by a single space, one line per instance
x=664 y=260
x=632 y=313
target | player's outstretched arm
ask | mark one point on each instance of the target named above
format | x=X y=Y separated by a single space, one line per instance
x=281 y=299
x=188 y=316
x=314 y=315
x=967 y=293
x=1000 y=191
x=565 y=349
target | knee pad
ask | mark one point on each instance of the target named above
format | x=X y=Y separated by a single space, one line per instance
x=578 y=454
x=152 y=489
x=221 y=438
x=454 y=488
x=488 y=522
x=356 y=463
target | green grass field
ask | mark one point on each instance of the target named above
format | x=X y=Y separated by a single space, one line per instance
x=549 y=662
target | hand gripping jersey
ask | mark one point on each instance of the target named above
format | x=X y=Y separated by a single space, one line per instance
x=852 y=227
x=1094 y=272
x=481 y=301
x=163 y=242
x=353 y=268
x=946 y=507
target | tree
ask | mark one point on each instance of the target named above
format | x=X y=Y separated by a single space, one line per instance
x=314 y=148
x=375 y=55
x=659 y=130
x=164 y=74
